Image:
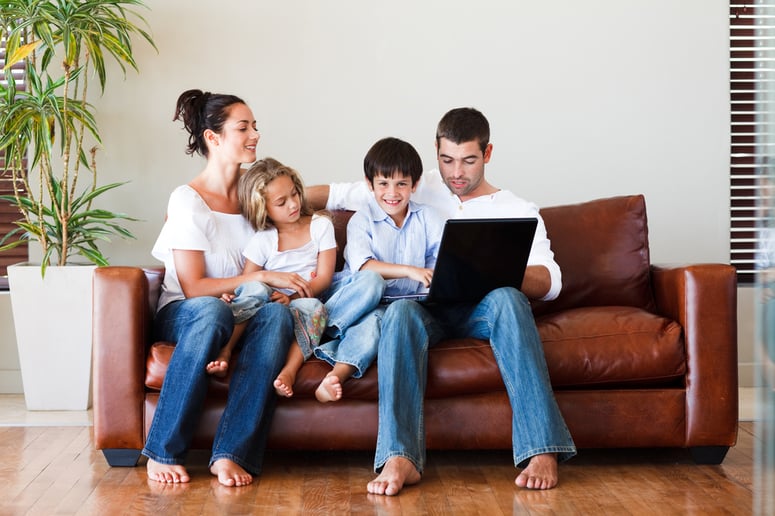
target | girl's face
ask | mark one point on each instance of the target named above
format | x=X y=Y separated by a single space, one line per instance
x=239 y=136
x=283 y=201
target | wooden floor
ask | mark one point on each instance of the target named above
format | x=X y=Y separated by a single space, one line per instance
x=55 y=470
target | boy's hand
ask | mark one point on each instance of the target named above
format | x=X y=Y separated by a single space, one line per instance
x=420 y=274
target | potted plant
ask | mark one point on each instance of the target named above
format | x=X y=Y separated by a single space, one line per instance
x=48 y=139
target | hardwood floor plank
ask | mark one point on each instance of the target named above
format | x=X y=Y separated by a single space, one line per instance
x=57 y=471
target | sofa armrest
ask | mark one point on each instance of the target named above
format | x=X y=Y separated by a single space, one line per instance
x=121 y=322
x=703 y=299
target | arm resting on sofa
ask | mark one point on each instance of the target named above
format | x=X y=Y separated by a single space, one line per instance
x=703 y=299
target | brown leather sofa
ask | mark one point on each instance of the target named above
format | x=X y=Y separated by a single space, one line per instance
x=639 y=355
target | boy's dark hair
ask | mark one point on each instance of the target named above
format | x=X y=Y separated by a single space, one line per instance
x=461 y=125
x=390 y=156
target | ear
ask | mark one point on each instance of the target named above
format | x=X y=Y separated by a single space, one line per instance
x=368 y=183
x=211 y=137
x=487 y=152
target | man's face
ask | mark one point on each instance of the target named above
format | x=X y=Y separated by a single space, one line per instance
x=462 y=166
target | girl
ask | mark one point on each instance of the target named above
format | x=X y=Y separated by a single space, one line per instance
x=201 y=246
x=294 y=246
x=291 y=244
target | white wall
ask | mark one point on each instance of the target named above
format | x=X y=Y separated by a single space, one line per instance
x=585 y=99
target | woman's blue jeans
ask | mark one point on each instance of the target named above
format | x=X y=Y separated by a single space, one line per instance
x=504 y=317
x=200 y=327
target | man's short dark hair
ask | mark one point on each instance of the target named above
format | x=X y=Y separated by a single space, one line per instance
x=390 y=156
x=462 y=125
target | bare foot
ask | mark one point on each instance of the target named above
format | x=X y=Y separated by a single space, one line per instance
x=230 y=474
x=166 y=473
x=283 y=384
x=217 y=368
x=396 y=473
x=330 y=389
x=540 y=473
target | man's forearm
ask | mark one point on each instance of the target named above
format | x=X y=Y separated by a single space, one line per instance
x=317 y=196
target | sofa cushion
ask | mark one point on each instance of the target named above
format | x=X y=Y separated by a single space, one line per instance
x=613 y=345
x=602 y=249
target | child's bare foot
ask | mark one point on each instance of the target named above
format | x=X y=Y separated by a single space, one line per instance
x=166 y=473
x=540 y=473
x=217 y=368
x=230 y=474
x=330 y=389
x=283 y=384
x=397 y=472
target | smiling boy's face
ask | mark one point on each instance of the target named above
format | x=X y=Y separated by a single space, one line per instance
x=392 y=194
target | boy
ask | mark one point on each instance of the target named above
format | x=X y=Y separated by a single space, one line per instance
x=391 y=235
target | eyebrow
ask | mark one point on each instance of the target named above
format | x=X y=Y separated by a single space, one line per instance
x=470 y=156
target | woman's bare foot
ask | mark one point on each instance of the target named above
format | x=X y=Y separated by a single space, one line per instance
x=397 y=472
x=330 y=389
x=166 y=473
x=540 y=473
x=217 y=368
x=230 y=474
x=283 y=384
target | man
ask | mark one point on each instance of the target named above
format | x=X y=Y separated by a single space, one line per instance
x=540 y=438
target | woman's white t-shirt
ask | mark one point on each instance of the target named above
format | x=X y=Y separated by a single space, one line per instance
x=191 y=225
x=262 y=249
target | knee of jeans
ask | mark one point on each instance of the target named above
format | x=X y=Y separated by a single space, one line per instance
x=371 y=284
x=208 y=307
x=400 y=312
x=508 y=296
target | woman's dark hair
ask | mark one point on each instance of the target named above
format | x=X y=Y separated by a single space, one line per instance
x=390 y=156
x=200 y=111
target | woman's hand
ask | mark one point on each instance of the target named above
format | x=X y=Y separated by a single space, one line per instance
x=280 y=297
x=289 y=280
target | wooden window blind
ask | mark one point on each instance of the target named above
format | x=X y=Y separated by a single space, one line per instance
x=8 y=213
x=752 y=98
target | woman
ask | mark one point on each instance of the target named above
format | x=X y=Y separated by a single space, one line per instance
x=201 y=245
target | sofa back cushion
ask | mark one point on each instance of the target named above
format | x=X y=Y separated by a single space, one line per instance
x=602 y=248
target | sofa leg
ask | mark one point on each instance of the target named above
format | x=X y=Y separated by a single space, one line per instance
x=709 y=454
x=121 y=457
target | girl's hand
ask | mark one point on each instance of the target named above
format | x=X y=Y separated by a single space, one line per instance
x=289 y=280
x=227 y=298
x=280 y=297
x=420 y=274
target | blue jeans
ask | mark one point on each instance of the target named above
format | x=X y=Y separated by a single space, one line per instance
x=200 y=327
x=504 y=317
x=354 y=317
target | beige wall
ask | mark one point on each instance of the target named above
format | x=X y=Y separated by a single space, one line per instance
x=585 y=99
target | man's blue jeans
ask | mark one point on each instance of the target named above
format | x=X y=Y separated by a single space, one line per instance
x=504 y=317
x=200 y=327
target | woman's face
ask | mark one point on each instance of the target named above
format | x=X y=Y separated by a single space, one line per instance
x=239 y=136
x=283 y=202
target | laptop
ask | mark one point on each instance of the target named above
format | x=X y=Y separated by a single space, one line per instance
x=477 y=256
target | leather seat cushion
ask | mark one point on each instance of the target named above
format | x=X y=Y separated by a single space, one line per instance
x=584 y=347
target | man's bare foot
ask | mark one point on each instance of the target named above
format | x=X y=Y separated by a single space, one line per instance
x=396 y=473
x=330 y=389
x=166 y=473
x=217 y=368
x=540 y=473
x=230 y=474
x=283 y=384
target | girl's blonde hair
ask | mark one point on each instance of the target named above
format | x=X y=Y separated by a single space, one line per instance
x=252 y=191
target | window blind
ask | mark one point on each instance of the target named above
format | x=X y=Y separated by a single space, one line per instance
x=752 y=81
x=8 y=213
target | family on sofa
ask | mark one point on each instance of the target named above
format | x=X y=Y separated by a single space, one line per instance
x=210 y=267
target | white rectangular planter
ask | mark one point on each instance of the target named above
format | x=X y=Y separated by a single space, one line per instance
x=53 y=321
